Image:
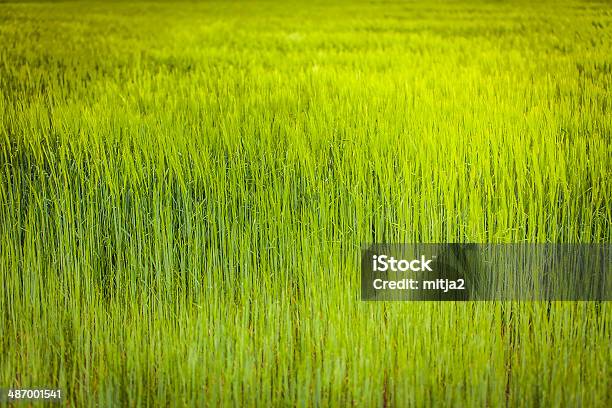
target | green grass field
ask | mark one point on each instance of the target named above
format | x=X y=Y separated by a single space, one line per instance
x=185 y=188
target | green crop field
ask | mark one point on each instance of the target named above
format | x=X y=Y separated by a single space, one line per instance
x=185 y=188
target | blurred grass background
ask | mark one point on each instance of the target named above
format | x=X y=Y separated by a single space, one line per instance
x=185 y=187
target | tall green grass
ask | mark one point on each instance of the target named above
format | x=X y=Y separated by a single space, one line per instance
x=185 y=187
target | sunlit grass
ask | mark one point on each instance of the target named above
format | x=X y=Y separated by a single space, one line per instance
x=185 y=187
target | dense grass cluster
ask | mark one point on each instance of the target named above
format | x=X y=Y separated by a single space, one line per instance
x=185 y=188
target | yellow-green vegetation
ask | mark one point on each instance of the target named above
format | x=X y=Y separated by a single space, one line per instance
x=185 y=188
